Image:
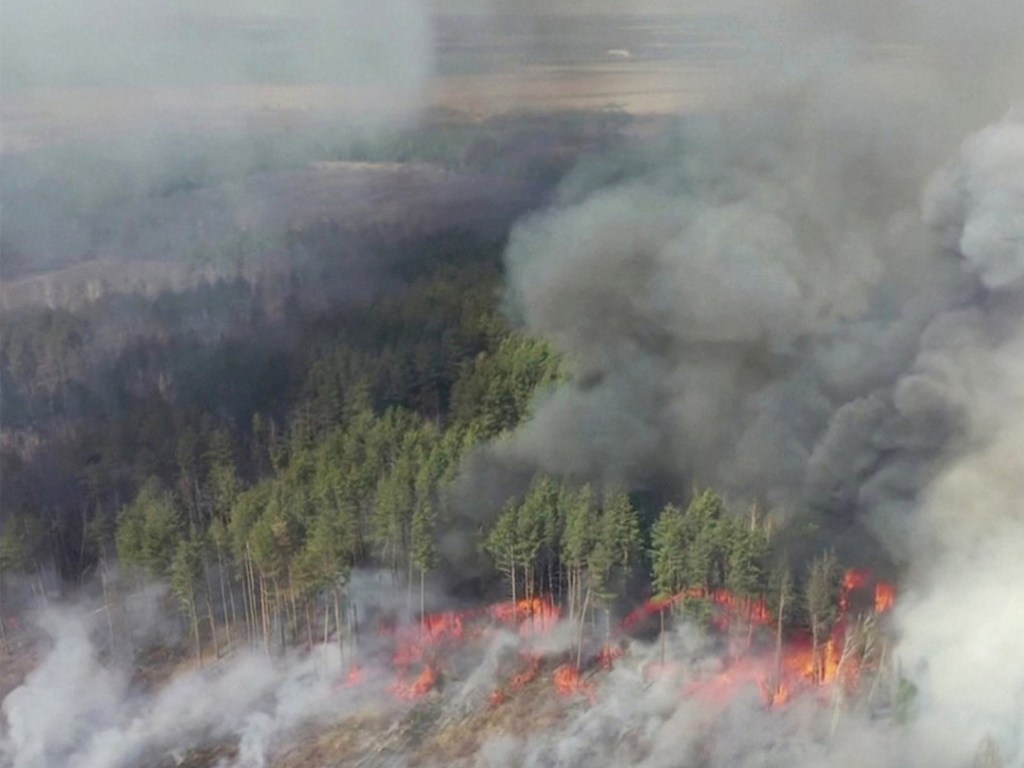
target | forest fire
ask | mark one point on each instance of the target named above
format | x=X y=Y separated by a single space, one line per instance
x=726 y=608
x=419 y=646
x=568 y=681
x=791 y=664
x=780 y=666
x=885 y=597
x=521 y=679
x=535 y=615
x=419 y=687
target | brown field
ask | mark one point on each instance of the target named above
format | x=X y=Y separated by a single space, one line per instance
x=39 y=116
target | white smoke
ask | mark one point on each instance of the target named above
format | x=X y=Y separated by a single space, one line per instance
x=78 y=710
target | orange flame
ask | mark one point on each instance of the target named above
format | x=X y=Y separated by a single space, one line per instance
x=418 y=688
x=885 y=597
x=355 y=675
x=416 y=644
x=752 y=660
x=568 y=681
x=535 y=615
x=727 y=608
x=609 y=654
x=521 y=679
x=528 y=675
x=798 y=669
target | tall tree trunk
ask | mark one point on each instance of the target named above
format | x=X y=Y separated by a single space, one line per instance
x=277 y=613
x=213 y=627
x=211 y=616
x=353 y=623
x=245 y=602
x=310 y=628
x=514 y=592
x=104 y=577
x=327 y=617
x=815 y=652
x=231 y=603
x=661 y=618
x=250 y=581
x=408 y=593
x=265 y=613
x=337 y=617
x=195 y=634
x=579 y=635
x=423 y=599
x=778 y=646
x=572 y=595
x=228 y=617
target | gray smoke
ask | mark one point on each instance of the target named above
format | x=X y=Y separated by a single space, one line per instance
x=84 y=706
x=815 y=298
x=771 y=301
x=151 y=132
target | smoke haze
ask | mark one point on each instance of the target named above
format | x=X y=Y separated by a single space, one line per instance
x=814 y=299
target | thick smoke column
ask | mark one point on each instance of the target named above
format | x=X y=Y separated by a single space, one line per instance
x=817 y=299
x=963 y=626
x=759 y=303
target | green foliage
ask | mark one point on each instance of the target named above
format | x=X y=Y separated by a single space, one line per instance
x=746 y=561
x=149 y=530
x=496 y=390
x=186 y=572
x=296 y=462
x=500 y=543
x=424 y=547
x=617 y=546
x=581 y=516
x=668 y=552
x=19 y=542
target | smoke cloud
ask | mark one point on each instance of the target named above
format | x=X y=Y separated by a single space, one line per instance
x=815 y=299
x=770 y=301
x=81 y=707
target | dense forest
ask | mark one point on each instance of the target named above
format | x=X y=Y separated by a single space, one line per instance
x=254 y=469
x=250 y=446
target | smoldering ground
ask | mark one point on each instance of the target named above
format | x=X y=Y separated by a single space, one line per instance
x=86 y=705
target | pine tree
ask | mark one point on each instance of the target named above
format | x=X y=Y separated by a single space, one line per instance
x=824 y=587
x=531 y=528
x=705 y=548
x=781 y=587
x=500 y=544
x=747 y=551
x=668 y=552
x=186 y=573
x=579 y=539
x=148 y=530
x=424 y=547
x=615 y=551
x=393 y=512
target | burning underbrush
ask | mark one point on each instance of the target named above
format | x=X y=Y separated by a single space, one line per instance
x=751 y=644
x=455 y=686
x=476 y=681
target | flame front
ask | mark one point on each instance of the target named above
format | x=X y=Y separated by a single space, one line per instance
x=755 y=658
x=885 y=597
